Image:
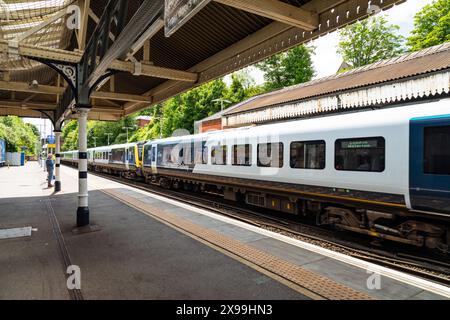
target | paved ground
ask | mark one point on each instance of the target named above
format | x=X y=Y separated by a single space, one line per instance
x=135 y=256
x=132 y=257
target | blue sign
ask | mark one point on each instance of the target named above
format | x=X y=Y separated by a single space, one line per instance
x=2 y=152
x=51 y=139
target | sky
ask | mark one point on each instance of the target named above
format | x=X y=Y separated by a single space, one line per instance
x=326 y=60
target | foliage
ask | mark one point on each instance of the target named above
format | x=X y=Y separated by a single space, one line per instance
x=18 y=134
x=69 y=136
x=369 y=41
x=179 y=112
x=431 y=26
x=98 y=133
x=289 y=68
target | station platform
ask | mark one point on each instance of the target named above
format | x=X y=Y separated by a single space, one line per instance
x=150 y=247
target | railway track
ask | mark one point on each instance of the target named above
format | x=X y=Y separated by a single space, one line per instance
x=356 y=246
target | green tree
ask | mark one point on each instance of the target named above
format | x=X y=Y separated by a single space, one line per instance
x=97 y=132
x=183 y=110
x=369 y=41
x=289 y=68
x=431 y=26
x=18 y=134
x=179 y=112
x=69 y=136
x=242 y=87
x=34 y=129
x=100 y=130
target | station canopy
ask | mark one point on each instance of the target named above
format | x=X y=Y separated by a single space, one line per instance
x=187 y=43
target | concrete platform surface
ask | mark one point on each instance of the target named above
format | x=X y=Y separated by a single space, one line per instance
x=131 y=257
x=139 y=254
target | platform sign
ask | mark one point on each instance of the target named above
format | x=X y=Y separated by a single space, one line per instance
x=178 y=12
x=51 y=139
x=2 y=151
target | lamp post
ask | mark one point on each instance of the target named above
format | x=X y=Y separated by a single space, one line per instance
x=221 y=100
x=108 y=134
x=127 y=128
x=95 y=142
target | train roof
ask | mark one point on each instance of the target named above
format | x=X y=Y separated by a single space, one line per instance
x=400 y=113
x=114 y=146
x=404 y=112
x=198 y=136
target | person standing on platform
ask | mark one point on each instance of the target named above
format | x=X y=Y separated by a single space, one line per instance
x=50 y=165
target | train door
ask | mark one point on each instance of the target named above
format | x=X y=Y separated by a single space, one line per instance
x=126 y=156
x=139 y=150
x=154 y=159
x=131 y=156
x=429 y=180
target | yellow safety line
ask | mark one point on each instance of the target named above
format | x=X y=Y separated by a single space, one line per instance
x=316 y=285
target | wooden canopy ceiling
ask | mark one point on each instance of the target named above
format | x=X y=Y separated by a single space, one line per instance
x=224 y=36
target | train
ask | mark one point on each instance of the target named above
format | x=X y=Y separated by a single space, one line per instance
x=384 y=173
x=2 y=152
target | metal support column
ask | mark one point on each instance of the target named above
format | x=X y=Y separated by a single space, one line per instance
x=83 y=208
x=58 y=161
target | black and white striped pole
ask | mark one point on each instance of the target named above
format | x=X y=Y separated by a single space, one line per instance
x=83 y=207
x=58 y=161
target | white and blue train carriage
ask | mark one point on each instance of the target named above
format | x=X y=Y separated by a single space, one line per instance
x=381 y=172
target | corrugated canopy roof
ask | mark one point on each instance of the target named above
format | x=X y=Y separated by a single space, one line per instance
x=224 y=36
x=17 y=17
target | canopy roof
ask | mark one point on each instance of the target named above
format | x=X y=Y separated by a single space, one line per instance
x=224 y=36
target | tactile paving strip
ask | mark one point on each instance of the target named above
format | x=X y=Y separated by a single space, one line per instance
x=309 y=280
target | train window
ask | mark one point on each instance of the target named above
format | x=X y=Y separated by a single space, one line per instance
x=118 y=155
x=437 y=150
x=148 y=155
x=308 y=154
x=219 y=155
x=167 y=156
x=171 y=154
x=201 y=153
x=131 y=157
x=270 y=155
x=242 y=155
x=360 y=154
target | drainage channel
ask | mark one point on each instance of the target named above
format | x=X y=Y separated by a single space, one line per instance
x=74 y=294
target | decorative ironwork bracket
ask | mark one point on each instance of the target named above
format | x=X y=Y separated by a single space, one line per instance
x=76 y=75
